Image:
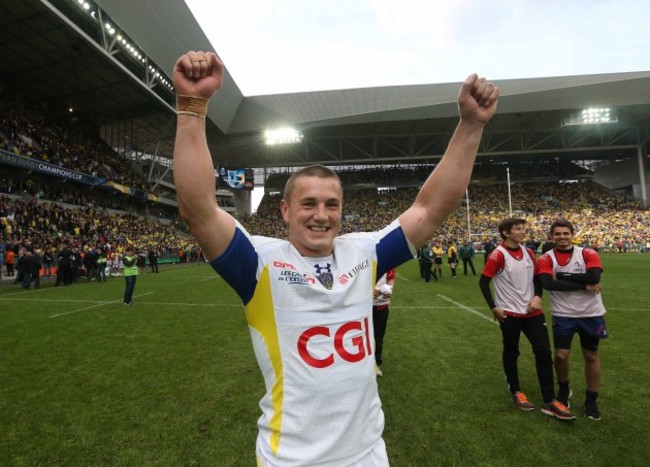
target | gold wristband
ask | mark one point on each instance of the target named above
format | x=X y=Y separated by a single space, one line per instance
x=190 y=105
x=191 y=114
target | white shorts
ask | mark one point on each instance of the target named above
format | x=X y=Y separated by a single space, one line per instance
x=376 y=457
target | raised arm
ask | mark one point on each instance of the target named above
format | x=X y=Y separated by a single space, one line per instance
x=440 y=194
x=197 y=77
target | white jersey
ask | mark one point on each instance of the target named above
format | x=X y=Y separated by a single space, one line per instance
x=314 y=345
x=574 y=303
x=513 y=285
x=382 y=300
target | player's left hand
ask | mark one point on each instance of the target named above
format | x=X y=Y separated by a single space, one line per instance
x=535 y=304
x=595 y=288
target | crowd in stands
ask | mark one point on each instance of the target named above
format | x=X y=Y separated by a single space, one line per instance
x=76 y=197
x=42 y=217
x=603 y=219
x=405 y=175
x=48 y=227
x=29 y=128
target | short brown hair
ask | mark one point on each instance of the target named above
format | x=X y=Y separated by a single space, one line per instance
x=562 y=222
x=507 y=225
x=310 y=171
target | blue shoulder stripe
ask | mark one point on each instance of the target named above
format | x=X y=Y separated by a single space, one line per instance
x=392 y=250
x=238 y=266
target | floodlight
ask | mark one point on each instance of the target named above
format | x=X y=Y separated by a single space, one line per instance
x=284 y=135
x=591 y=116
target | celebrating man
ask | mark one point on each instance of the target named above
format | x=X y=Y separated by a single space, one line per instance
x=308 y=300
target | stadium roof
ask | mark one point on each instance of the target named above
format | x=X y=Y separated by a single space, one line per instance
x=55 y=49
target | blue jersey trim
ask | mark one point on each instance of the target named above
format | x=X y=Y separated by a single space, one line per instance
x=238 y=266
x=392 y=250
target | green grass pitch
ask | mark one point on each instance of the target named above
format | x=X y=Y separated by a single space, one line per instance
x=172 y=380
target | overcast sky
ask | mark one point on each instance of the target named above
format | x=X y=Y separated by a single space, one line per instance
x=279 y=46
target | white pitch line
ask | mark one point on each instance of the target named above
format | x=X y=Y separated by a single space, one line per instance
x=466 y=308
x=31 y=291
x=195 y=304
x=85 y=308
x=95 y=306
x=402 y=277
x=210 y=278
x=424 y=307
x=45 y=300
x=98 y=303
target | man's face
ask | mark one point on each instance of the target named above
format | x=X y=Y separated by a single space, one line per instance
x=562 y=237
x=313 y=215
x=517 y=234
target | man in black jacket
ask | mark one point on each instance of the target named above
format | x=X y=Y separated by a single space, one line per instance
x=153 y=259
x=64 y=266
x=32 y=266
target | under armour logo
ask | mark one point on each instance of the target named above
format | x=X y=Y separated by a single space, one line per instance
x=321 y=269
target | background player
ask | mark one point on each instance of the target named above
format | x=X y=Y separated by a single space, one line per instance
x=572 y=276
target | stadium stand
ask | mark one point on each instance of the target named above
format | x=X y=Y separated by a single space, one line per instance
x=603 y=218
x=41 y=210
x=396 y=134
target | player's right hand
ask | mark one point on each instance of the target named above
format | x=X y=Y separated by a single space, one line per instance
x=198 y=74
x=499 y=314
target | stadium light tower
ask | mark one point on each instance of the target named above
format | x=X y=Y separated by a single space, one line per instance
x=286 y=135
x=591 y=116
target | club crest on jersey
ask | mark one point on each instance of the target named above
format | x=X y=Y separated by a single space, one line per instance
x=324 y=275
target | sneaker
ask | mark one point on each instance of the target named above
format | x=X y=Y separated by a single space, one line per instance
x=591 y=410
x=558 y=410
x=521 y=401
x=378 y=372
x=563 y=395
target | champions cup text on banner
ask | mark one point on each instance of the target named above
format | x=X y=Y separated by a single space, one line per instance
x=45 y=168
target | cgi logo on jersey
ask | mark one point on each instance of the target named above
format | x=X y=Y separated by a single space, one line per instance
x=350 y=342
